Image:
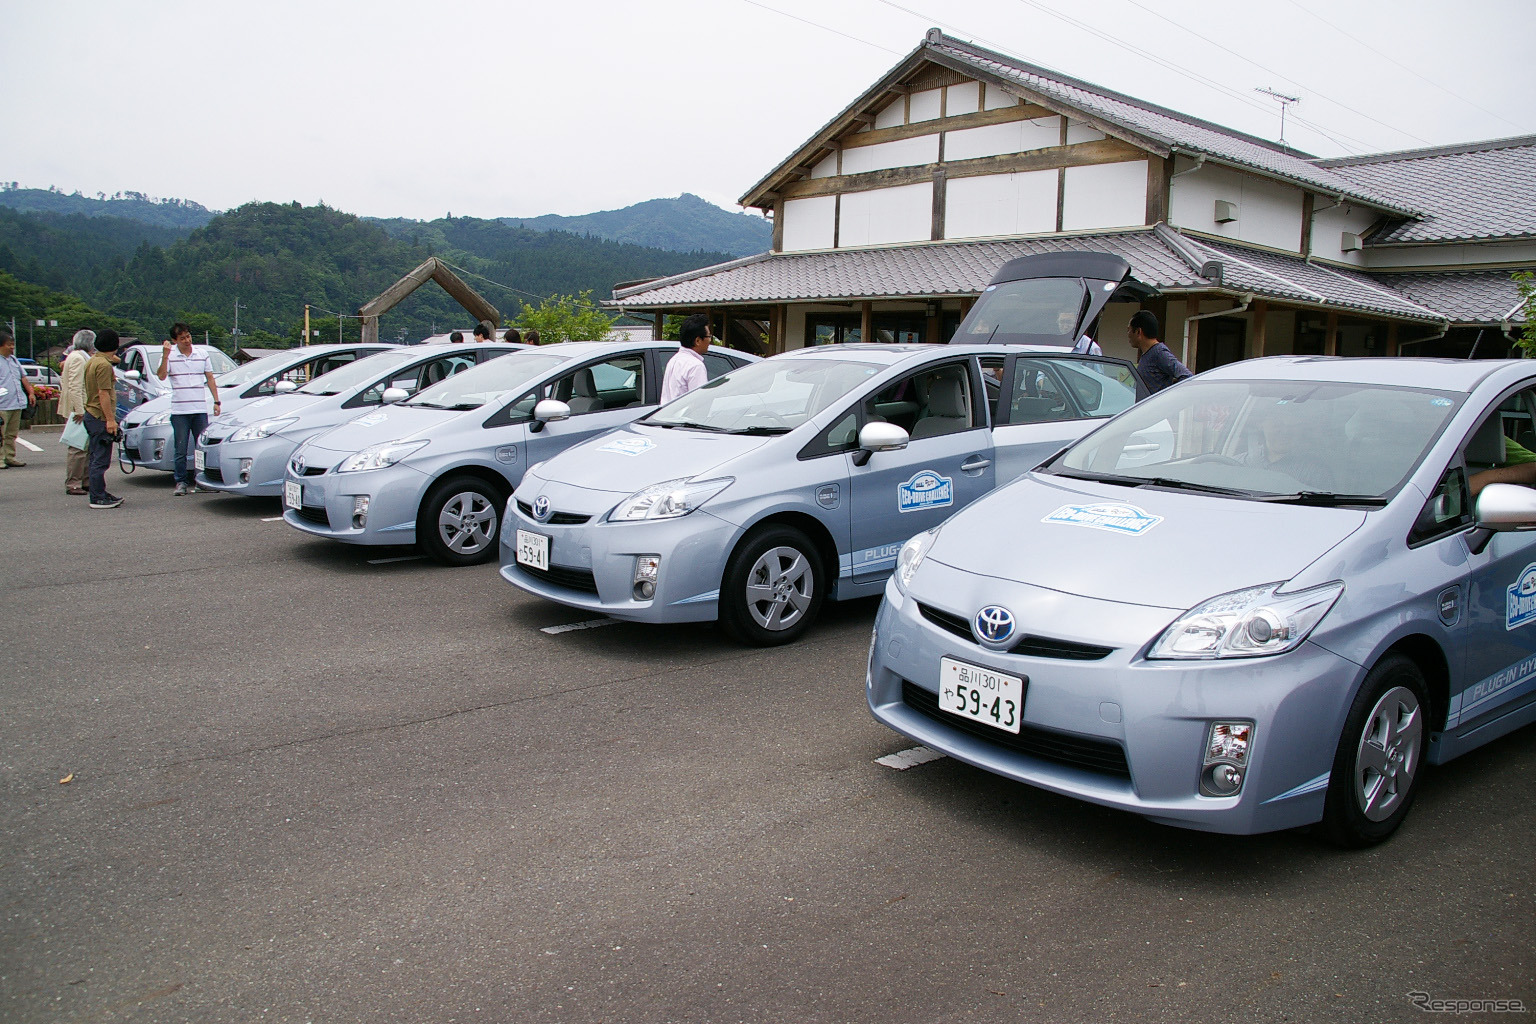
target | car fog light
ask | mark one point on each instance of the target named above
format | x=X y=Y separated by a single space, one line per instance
x=359 y=511
x=245 y=471
x=647 y=569
x=1227 y=748
x=159 y=450
x=645 y=591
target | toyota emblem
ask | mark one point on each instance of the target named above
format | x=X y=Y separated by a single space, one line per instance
x=298 y=465
x=993 y=625
x=541 y=508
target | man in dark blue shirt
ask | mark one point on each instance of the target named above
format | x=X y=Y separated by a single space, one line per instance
x=1158 y=366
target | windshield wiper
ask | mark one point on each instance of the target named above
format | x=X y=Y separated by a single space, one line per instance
x=690 y=426
x=1325 y=499
x=760 y=431
x=1103 y=478
x=1189 y=485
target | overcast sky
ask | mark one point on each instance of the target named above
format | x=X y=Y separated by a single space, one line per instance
x=508 y=108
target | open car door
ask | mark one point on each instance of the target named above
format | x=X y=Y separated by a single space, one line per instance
x=1049 y=299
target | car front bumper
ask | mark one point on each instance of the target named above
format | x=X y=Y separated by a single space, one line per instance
x=1120 y=731
x=330 y=503
x=152 y=447
x=225 y=467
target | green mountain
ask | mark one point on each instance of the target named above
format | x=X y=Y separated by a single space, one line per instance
x=73 y=251
x=180 y=214
x=684 y=224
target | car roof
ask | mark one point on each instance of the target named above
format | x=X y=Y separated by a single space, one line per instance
x=892 y=354
x=1394 y=371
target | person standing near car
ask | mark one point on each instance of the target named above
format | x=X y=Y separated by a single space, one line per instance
x=685 y=370
x=1158 y=366
x=15 y=395
x=72 y=408
x=101 y=416
x=190 y=371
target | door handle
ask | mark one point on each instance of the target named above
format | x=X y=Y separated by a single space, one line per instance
x=975 y=464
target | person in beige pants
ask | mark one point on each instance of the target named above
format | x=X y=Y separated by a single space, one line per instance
x=72 y=405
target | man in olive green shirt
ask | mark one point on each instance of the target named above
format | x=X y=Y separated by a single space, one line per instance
x=101 y=416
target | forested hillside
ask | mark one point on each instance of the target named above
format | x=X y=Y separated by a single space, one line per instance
x=682 y=224
x=180 y=214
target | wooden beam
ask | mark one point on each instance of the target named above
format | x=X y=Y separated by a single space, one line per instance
x=1331 y=343
x=1190 y=356
x=934 y=320
x=1061 y=183
x=978 y=119
x=432 y=269
x=1159 y=174
x=1260 y=326
x=778 y=226
x=659 y=325
x=1392 y=338
x=1306 y=225
x=940 y=195
x=866 y=322
x=1082 y=154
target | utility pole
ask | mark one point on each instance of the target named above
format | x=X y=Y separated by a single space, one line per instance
x=236 y=342
x=1284 y=102
x=306 y=324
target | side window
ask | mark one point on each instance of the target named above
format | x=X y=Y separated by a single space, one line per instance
x=1503 y=447
x=935 y=401
x=1448 y=509
x=992 y=370
x=1038 y=394
x=715 y=365
x=842 y=436
x=616 y=384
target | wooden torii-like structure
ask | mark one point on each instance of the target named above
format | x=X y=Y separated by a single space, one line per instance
x=432 y=270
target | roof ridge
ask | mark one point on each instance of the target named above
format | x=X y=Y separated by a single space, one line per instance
x=1107 y=93
x=690 y=275
x=1429 y=152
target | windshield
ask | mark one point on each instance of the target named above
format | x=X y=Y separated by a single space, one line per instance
x=1036 y=310
x=773 y=396
x=256 y=369
x=363 y=371
x=1267 y=438
x=488 y=382
x=218 y=362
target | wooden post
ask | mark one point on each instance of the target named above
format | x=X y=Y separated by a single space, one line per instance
x=936 y=317
x=369 y=335
x=306 y=325
x=1331 y=343
x=1190 y=356
x=1392 y=338
x=940 y=197
x=1260 y=326
x=1306 y=225
x=867 y=323
x=778 y=226
x=657 y=327
x=1158 y=176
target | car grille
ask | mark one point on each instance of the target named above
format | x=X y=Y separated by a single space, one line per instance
x=557 y=519
x=314 y=514
x=1101 y=756
x=1032 y=646
x=131 y=452
x=209 y=442
x=560 y=576
x=214 y=474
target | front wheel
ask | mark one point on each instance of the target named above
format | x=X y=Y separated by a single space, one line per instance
x=1380 y=753
x=773 y=587
x=460 y=522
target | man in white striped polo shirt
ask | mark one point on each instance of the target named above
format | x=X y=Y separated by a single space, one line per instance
x=189 y=370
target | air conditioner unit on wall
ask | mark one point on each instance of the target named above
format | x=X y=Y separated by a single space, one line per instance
x=1226 y=212
x=1349 y=242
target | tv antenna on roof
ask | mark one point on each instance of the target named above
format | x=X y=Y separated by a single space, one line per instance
x=1284 y=102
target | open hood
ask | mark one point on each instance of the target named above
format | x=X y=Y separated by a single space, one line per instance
x=1049 y=299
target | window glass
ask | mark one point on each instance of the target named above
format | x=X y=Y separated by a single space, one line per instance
x=1446 y=511
x=773 y=396
x=412 y=379
x=715 y=365
x=358 y=372
x=490 y=381
x=1041 y=308
x=842 y=436
x=617 y=383
x=932 y=402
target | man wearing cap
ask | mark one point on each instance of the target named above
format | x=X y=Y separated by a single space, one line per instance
x=101 y=416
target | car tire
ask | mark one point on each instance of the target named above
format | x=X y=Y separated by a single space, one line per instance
x=460 y=522
x=1380 y=755
x=773 y=587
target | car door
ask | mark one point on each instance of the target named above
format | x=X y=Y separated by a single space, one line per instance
x=603 y=394
x=947 y=463
x=1500 y=670
x=1047 y=402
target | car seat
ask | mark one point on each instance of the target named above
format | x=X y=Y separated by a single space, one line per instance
x=947 y=412
x=1486 y=449
x=584 y=393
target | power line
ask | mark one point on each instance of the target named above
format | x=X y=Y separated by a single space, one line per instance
x=824 y=28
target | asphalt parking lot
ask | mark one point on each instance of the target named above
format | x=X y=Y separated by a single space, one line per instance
x=321 y=783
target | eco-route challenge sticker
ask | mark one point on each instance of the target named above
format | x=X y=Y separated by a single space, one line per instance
x=926 y=489
x=628 y=445
x=1111 y=517
x=1522 y=599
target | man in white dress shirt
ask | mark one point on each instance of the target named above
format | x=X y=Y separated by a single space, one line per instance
x=685 y=371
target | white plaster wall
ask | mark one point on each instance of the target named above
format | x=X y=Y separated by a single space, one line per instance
x=925 y=105
x=794 y=328
x=902 y=153
x=964 y=98
x=1451 y=255
x=996 y=98
x=1329 y=225
x=1079 y=132
x=1268 y=213
x=1105 y=196
x=996 y=139
x=903 y=214
x=892 y=114
x=1111 y=336
x=1000 y=204
x=826 y=167
x=808 y=223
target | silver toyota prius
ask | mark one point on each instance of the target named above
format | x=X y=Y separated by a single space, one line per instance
x=1326 y=581
x=437 y=469
x=147 y=429
x=757 y=496
x=247 y=452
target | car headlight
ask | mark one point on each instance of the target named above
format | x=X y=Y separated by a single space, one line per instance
x=263 y=428
x=157 y=420
x=669 y=499
x=1248 y=623
x=380 y=455
x=911 y=556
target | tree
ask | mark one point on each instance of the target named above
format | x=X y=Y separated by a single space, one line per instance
x=1525 y=283
x=565 y=318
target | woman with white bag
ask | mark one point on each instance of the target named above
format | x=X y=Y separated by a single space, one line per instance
x=72 y=409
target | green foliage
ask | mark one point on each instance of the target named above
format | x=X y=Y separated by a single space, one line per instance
x=684 y=224
x=565 y=318
x=28 y=303
x=672 y=327
x=1525 y=283
x=182 y=215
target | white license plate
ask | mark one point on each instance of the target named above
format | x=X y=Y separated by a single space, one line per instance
x=532 y=550
x=293 y=494
x=200 y=460
x=981 y=695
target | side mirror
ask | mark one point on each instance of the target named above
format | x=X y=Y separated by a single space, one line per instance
x=1506 y=507
x=132 y=375
x=879 y=437
x=393 y=395
x=284 y=387
x=550 y=410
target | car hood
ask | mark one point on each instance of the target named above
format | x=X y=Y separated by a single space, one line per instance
x=623 y=461
x=147 y=409
x=270 y=408
x=391 y=423
x=1167 y=549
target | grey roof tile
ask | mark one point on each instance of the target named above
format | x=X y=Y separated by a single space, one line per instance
x=1467 y=297
x=1476 y=192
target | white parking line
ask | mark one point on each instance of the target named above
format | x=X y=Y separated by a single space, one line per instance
x=589 y=624
x=904 y=759
x=28 y=445
x=273 y=519
x=401 y=558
